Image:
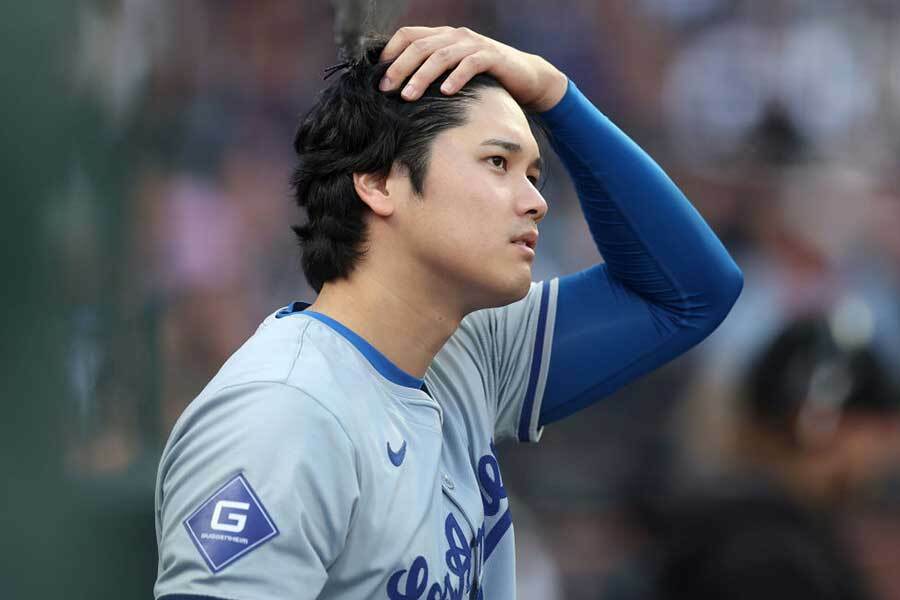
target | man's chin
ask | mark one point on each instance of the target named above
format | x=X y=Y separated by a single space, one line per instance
x=499 y=291
x=514 y=292
x=522 y=290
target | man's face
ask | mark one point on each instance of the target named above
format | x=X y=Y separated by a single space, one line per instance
x=474 y=228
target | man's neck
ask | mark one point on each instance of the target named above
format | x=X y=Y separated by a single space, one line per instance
x=405 y=323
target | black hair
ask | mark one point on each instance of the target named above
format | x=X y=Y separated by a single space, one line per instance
x=355 y=128
x=806 y=360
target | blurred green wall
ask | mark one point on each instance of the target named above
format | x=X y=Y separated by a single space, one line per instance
x=62 y=537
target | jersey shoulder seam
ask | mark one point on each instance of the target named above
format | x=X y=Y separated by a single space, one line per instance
x=300 y=339
x=306 y=394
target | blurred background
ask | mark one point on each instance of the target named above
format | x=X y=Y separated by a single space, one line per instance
x=146 y=233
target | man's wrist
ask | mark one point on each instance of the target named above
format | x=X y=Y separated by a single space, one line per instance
x=555 y=83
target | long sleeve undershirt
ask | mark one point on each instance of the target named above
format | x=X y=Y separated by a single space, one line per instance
x=667 y=281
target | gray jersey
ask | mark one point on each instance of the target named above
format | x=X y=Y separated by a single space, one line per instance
x=311 y=467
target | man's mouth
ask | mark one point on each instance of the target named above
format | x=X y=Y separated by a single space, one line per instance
x=528 y=239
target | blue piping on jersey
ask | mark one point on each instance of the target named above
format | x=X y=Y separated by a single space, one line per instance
x=527 y=405
x=382 y=363
x=495 y=535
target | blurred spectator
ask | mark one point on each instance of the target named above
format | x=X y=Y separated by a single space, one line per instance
x=821 y=412
x=816 y=429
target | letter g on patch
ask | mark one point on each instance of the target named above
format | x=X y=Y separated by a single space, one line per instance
x=239 y=519
x=232 y=509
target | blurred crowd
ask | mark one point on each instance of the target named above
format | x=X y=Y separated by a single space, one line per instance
x=780 y=120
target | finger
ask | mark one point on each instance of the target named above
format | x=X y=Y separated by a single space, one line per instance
x=438 y=63
x=468 y=68
x=404 y=36
x=412 y=57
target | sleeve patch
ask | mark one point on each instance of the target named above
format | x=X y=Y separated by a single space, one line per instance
x=230 y=524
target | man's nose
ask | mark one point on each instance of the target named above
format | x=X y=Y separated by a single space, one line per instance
x=533 y=203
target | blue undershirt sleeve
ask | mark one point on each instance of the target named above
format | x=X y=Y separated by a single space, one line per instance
x=667 y=281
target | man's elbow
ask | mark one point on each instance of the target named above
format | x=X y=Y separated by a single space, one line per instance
x=710 y=300
x=724 y=294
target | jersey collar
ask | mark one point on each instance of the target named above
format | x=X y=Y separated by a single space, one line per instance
x=382 y=363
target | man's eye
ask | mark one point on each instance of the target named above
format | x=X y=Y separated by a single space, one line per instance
x=501 y=164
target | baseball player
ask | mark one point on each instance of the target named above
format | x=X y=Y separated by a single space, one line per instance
x=347 y=449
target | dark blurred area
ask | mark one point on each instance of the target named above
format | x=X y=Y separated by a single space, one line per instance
x=146 y=234
x=816 y=417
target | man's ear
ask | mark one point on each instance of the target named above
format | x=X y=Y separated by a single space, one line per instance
x=372 y=189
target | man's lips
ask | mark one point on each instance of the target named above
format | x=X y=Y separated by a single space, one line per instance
x=528 y=239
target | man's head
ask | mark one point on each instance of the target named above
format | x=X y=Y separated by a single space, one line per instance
x=441 y=186
x=822 y=408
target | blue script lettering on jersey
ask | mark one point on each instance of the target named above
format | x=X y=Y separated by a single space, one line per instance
x=459 y=564
x=464 y=560
x=493 y=495
x=459 y=554
x=492 y=488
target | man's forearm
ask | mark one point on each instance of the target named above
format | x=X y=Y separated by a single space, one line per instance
x=650 y=236
x=667 y=283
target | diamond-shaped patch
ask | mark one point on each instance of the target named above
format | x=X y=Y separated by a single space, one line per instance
x=230 y=524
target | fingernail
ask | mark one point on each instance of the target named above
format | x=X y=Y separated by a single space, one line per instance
x=445 y=87
x=385 y=84
x=408 y=91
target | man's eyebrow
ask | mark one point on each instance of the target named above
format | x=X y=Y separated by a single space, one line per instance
x=538 y=163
